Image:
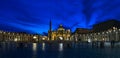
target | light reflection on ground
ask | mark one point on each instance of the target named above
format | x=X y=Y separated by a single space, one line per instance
x=60 y=46
x=56 y=50
x=43 y=46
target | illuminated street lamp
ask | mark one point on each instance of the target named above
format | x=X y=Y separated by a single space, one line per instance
x=119 y=29
x=15 y=39
x=43 y=38
x=34 y=37
x=89 y=40
x=114 y=28
x=103 y=39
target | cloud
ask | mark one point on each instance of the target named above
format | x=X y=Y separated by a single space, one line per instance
x=33 y=16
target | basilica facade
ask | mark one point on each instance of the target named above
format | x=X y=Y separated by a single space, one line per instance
x=60 y=34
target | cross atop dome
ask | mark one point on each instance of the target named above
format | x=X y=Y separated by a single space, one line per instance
x=60 y=26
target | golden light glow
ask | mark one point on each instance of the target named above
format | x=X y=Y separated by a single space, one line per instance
x=60 y=34
x=43 y=38
x=103 y=39
x=15 y=39
x=34 y=37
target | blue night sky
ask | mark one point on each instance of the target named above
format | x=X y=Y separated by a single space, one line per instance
x=33 y=16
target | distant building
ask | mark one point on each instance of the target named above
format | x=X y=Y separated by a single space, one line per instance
x=60 y=34
x=105 y=31
x=19 y=37
x=107 y=25
x=82 y=31
x=77 y=35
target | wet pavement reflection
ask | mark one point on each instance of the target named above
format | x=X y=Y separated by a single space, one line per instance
x=56 y=50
